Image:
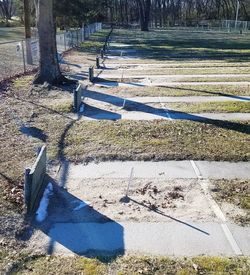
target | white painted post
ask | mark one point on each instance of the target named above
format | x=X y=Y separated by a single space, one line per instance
x=130 y=180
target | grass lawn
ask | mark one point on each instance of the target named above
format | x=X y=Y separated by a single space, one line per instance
x=158 y=140
x=135 y=265
x=166 y=43
x=11 y=33
x=197 y=90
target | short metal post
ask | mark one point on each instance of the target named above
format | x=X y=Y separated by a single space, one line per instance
x=27 y=189
x=130 y=180
x=91 y=74
x=102 y=54
x=64 y=38
x=97 y=62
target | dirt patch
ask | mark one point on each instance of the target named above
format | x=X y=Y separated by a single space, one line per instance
x=148 y=200
x=234 y=197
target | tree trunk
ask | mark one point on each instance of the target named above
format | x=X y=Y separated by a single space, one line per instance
x=49 y=70
x=144 y=10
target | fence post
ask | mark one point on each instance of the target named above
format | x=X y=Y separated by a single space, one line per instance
x=27 y=188
x=64 y=40
x=23 y=55
x=97 y=62
x=77 y=98
x=91 y=74
x=28 y=51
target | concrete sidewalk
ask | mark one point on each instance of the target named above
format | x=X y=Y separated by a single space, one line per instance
x=166 y=83
x=162 y=169
x=187 y=99
x=165 y=239
x=99 y=114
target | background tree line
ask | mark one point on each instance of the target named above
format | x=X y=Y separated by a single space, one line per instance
x=160 y=13
x=164 y=12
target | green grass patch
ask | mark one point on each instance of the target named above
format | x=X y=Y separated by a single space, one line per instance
x=11 y=33
x=180 y=43
x=132 y=265
x=94 y=46
x=158 y=140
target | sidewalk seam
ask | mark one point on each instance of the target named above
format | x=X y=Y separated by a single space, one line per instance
x=204 y=183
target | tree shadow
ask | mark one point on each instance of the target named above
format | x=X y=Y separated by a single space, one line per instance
x=131 y=106
x=33 y=132
x=209 y=92
x=80 y=228
x=182 y=47
x=97 y=113
x=157 y=211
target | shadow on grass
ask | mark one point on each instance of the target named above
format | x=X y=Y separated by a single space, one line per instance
x=131 y=106
x=184 y=46
x=207 y=92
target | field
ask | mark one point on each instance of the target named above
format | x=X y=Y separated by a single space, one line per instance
x=167 y=95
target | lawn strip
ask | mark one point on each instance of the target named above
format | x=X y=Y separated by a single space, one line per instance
x=158 y=140
x=201 y=90
x=39 y=264
x=235 y=193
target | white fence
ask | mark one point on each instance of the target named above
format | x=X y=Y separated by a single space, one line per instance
x=14 y=55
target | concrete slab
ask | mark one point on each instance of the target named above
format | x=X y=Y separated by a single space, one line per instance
x=187 y=99
x=152 y=77
x=166 y=83
x=161 y=169
x=242 y=237
x=106 y=115
x=168 y=239
x=227 y=170
x=119 y=169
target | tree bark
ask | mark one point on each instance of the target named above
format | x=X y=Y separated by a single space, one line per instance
x=144 y=11
x=49 y=70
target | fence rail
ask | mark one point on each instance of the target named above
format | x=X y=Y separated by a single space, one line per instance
x=15 y=54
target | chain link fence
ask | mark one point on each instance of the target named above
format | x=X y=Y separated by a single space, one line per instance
x=14 y=54
x=216 y=25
